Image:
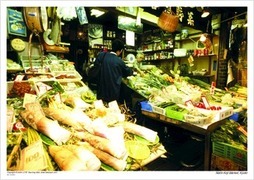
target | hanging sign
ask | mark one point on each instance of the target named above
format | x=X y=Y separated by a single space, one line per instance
x=130 y=24
x=15 y=22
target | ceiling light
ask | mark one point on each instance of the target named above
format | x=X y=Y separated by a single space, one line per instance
x=96 y=12
x=205 y=13
x=203 y=37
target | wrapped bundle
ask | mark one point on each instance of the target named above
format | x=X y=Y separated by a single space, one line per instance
x=142 y=131
x=101 y=129
x=74 y=158
x=35 y=117
x=113 y=148
x=75 y=118
x=77 y=103
x=117 y=164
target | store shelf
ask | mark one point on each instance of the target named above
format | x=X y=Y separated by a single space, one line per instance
x=159 y=50
x=158 y=60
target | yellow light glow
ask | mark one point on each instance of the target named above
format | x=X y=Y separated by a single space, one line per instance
x=205 y=14
x=202 y=38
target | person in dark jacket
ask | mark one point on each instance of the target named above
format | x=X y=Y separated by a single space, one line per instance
x=112 y=71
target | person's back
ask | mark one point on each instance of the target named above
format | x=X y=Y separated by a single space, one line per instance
x=112 y=71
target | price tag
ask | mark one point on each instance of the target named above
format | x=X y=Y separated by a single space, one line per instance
x=58 y=98
x=33 y=157
x=189 y=104
x=29 y=98
x=114 y=106
x=42 y=87
x=205 y=102
x=10 y=118
x=98 y=104
x=19 y=77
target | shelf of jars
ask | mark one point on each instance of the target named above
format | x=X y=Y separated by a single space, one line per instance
x=158 y=55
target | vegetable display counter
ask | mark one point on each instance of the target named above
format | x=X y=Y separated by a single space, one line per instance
x=73 y=131
x=204 y=131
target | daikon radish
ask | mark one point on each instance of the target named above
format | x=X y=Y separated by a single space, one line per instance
x=117 y=164
x=74 y=158
x=142 y=131
x=113 y=148
x=75 y=118
x=35 y=117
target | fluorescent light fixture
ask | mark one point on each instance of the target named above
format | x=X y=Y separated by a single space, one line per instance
x=205 y=13
x=96 y=12
x=130 y=38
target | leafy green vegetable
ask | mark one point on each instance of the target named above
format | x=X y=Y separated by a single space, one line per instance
x=146 y=142
x=46 y=140
x=107 y=167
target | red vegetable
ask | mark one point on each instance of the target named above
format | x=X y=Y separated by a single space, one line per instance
x=18 y=126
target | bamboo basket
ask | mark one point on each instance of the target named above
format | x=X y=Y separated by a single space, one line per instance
x=168 y=21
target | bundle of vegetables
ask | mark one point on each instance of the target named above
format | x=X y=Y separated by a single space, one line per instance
x=44 y=98
x=35 y=117
x=197 y=82
x=237 y=88
x=179 y=92
x=202 y=84
x=74 y=118
x=74 y=158
x=142 y=131
x=14 y=144
x=33 y=136
x=104 y=144
x=232 y=133
x=148 y=83
x=117 y=164
x=76 y=102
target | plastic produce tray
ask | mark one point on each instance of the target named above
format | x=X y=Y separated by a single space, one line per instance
x=174 y=114
x=225 y=164
x=71 y=85
x=233 y=153
x=67 y=76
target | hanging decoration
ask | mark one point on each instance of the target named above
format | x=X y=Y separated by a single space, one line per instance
x=179 y=13
x=190 y=19
x=81 y=13
x=66 y=13
x=168 y=20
